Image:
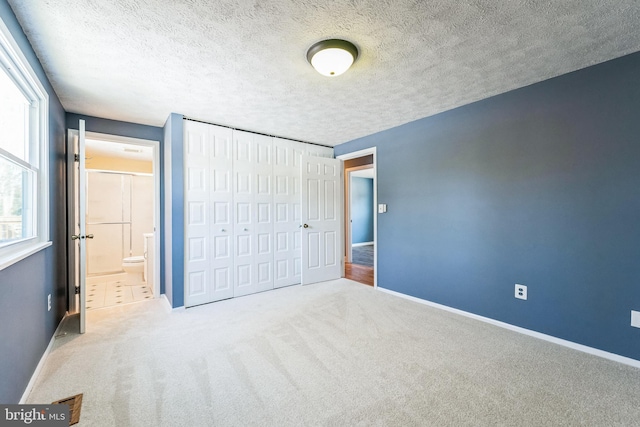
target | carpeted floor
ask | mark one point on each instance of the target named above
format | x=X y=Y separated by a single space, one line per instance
x=362 y=255
x=331 y=354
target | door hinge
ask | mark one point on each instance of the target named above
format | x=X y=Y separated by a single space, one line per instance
x=76 y=157
x=77 y=290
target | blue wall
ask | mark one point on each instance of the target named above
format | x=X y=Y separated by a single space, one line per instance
x=537 y=186
x=173 y=248
x=361 y=190
x=26 y=327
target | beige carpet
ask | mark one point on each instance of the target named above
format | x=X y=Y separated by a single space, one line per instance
x=336 y=354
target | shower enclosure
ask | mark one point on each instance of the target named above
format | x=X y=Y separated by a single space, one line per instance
x=119 y=213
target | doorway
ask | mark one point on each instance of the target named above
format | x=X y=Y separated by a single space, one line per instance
x=360 y=222
x=121 y=188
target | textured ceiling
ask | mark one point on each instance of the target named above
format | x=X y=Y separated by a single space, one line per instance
x=242 y=63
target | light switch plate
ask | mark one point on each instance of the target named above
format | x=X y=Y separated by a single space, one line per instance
x=382 y=208
x=635 y=319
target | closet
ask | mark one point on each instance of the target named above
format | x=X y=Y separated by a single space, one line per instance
x=244 y=205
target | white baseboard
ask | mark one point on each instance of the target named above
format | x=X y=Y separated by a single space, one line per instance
x=570 y=344
x=40 y=365
x=169 y=307
x=361 y=244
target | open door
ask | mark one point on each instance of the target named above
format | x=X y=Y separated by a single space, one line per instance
x=321 y=219
x=78 y=250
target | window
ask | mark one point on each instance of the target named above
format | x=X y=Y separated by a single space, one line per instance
x=23 y=156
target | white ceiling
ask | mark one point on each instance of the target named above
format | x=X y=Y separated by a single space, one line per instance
x=242 y=63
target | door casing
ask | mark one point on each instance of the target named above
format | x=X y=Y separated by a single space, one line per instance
x=72 y=208
x=346 y=215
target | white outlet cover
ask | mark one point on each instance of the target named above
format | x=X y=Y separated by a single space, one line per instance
x=635 y=319
x=520 y=291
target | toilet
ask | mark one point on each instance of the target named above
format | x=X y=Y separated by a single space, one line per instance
x=134 y=267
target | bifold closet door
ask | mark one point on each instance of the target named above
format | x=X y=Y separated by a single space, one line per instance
x=286 y=201
x=208 y=213
x=253 y=206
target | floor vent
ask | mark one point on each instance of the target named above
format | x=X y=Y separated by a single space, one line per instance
x=75 y=403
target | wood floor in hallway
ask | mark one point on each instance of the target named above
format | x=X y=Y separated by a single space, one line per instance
x=359 y=273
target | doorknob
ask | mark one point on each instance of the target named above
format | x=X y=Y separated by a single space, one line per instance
x=76 y=236
x=306 y=226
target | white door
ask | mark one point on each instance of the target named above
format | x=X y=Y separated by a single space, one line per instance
x=77 y=298
x=253 y=219
x=321 y=222
x=208 y=214
x=287 y=156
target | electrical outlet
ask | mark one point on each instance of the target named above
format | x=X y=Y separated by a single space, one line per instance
x=635 y=319
x=49 y=302
x=521 y=292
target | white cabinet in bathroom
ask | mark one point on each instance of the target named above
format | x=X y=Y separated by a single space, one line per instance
x=242 y=211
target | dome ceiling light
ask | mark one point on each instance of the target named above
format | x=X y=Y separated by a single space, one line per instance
x=332 y=57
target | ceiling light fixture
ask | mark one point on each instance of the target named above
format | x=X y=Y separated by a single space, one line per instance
x=332 y=57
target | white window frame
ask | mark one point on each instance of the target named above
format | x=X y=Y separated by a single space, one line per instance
x=12 y=59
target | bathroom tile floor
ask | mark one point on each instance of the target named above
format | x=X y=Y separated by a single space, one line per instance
x=111 y=290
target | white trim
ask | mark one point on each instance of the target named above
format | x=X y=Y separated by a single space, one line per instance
x=29 y=83
x=169 y=308
x=18 y=256
x=155 y=145
x=354 y=155
x=565 y=343
x=362 y=244
x=40 y=365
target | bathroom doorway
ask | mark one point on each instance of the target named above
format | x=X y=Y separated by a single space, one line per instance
x=122 y=188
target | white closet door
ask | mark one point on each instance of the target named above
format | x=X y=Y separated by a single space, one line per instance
x=321 y=219
x=197 y=257
x=221 y=211
x=208 y=191
x=253 y=221
x=286 y=202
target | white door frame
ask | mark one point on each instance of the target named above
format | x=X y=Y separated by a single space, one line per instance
x=355 y=155
x=72 y=133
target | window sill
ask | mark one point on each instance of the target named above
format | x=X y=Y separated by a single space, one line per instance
x=10 y=259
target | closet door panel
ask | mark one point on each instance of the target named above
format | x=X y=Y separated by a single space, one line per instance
x=197 y=219
x=253 y=201
x=286 y=175
x=263 y=219
x=221 y=207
